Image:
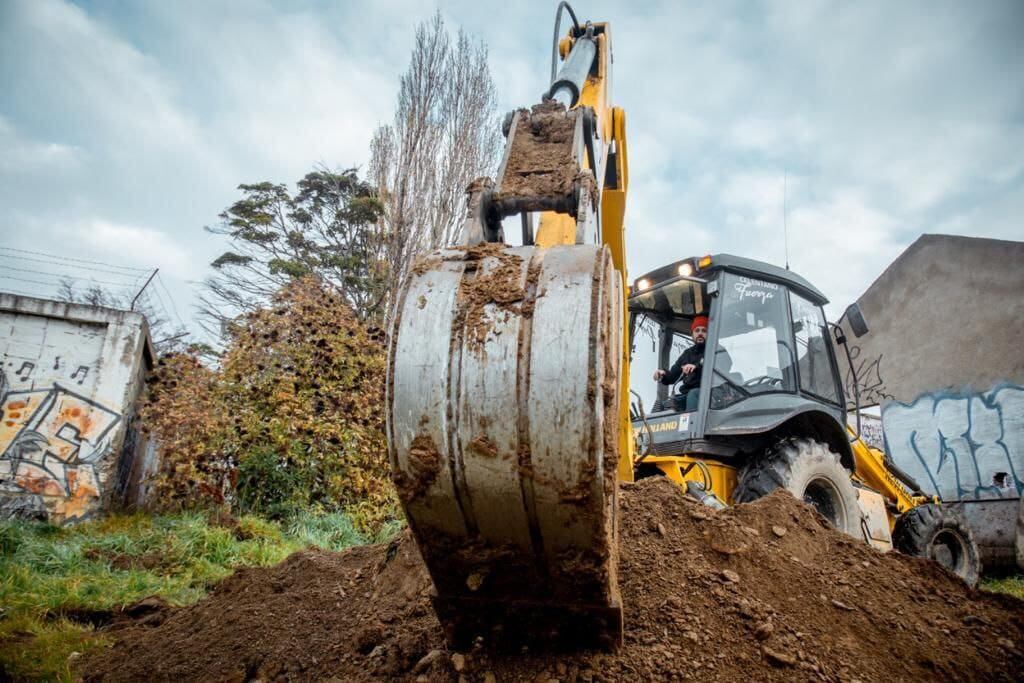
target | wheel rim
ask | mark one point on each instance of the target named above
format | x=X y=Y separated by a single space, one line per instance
x=824 y=497
x=949 y=550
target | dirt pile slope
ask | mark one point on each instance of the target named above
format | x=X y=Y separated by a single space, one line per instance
x=761 y=592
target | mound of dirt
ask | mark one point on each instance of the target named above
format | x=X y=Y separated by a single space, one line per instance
x=763 y=591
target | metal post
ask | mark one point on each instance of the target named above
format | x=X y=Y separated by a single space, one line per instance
x=151 y=276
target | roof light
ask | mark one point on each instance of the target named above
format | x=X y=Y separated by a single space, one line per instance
x=643 y=283
x=704 y=262
x=686 y=269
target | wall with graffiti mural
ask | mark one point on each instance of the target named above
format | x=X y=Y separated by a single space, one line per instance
x=962 y=445
x=69 y=378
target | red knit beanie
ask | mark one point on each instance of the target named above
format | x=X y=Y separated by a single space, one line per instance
x=699 y=321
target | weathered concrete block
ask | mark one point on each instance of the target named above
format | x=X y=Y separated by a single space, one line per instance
x=70 y=376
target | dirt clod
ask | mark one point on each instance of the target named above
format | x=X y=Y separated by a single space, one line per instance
x=779 y=658
x=764 y=631
x=427 y=660
x=540 y=163
x=909 y=619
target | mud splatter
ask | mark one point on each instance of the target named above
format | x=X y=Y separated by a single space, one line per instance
x=424 y=465
x=500 y=286
x=483 y=446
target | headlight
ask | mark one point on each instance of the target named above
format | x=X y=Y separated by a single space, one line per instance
x=643 y=283
x=686 y=269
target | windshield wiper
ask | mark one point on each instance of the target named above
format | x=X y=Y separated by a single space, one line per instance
x=728 y=381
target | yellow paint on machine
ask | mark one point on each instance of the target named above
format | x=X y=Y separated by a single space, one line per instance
x=683 y=468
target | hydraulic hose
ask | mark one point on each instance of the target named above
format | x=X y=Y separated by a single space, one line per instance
x=554 y=41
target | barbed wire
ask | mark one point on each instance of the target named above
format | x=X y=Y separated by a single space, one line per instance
x=160 y=280
x=21 y=292
x=76 y=260
x=65 y=265
x=77 y=273
x=65 y=276
x=163 y=306
x=34 y=282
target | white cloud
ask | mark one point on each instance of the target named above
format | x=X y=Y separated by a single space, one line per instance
x=80 y=71
x=138 y=246
x=890 y=119
x=22 y=155
x=841 y=244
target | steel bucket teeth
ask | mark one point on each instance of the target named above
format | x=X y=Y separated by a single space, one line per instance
x=502 y=408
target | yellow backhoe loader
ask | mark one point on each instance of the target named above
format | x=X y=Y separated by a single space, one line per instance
x=509 y=423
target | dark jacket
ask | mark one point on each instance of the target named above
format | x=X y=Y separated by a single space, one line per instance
x=693 y=355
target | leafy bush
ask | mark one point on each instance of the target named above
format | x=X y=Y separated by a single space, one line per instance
x=268 y=487
x=185 y=413
x=292 y=420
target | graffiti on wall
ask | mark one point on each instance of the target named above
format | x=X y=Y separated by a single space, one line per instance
x=52 y=438
x=960 y=444
x=868 y=375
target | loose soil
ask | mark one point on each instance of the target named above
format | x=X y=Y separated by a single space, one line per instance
x=540 y=163
x=763 y=591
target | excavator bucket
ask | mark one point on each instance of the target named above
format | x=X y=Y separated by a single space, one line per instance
x=502 y=425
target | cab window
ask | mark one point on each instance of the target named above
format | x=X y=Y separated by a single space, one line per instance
x=814 y=365
x=660 y=332
x=754 y=353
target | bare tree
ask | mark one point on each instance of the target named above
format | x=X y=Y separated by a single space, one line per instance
x=444 y=135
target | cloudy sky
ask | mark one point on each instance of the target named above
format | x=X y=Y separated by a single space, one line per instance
x=126 y=127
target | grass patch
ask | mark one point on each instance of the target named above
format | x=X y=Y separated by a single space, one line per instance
x=1011 y=585
x=49 y=573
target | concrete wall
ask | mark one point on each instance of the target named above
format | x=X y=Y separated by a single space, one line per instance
x=967 y=447
x=960 y=444
x=948 y=313
x=945 y=361
x=69 y=379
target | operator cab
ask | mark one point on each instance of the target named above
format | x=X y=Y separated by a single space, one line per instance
x=768 y=353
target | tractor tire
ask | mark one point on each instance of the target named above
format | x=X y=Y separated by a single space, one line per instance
x=811 y=471
x=939 y=534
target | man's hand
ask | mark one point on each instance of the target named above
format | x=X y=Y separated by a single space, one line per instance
x=688 y=368
x=658 y=374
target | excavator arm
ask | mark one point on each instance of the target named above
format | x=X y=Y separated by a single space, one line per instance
x=507 y=372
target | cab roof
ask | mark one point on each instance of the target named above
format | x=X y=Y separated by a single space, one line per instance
x=738 y=264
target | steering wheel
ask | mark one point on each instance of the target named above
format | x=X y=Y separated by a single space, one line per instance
x=763 y=379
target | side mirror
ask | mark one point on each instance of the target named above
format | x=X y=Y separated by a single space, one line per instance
x=854 y=316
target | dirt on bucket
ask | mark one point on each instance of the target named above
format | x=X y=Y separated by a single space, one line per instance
x=540 y=163
x=764 y=591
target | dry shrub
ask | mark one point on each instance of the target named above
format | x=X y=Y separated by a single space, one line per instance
x=184 y=412
x=296 y=411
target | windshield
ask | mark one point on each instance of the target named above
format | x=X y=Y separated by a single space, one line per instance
x=754 y=351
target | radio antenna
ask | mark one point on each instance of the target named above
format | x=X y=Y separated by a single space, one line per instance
x=785 y=222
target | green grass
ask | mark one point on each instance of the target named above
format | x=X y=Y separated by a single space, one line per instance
x=1011 y=585
x=48 y=573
